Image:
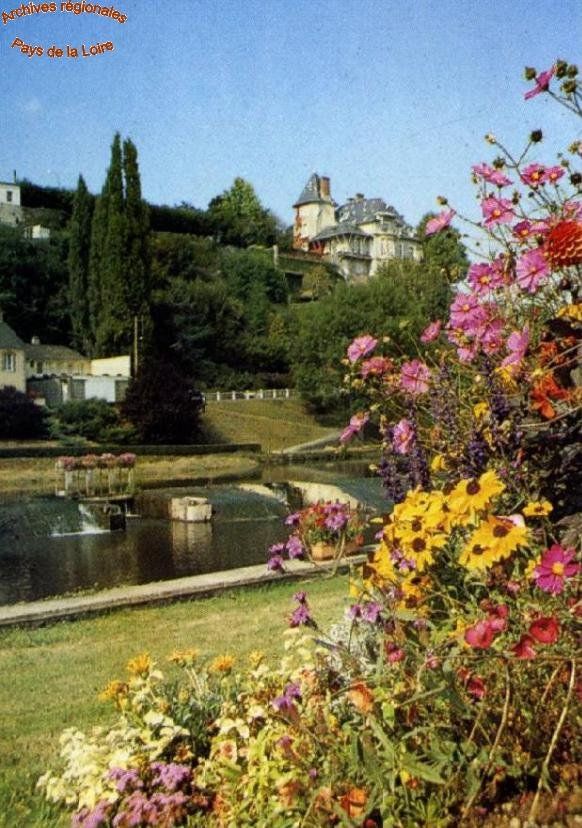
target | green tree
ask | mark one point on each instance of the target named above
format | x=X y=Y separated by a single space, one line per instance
x=238 y=217
x=20 y=418
x=78 y=265
x=444 y=251
x=397 y=303
x=162 y=404
x=114 y=326
x=137 y=255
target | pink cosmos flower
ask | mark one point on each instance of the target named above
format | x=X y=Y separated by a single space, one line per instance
x=542 y=83
x=480 y=635
x=466 y=311
x=431 y=331
x=483 y=278
x=491 y=175
x=375 y=367
x=438 y=223
x=496 y=211
x=531 y=269
x=403 y=436
x=414 y=377
x=550 y=575
x=553 y=174
x=522 y=230
x=524 y=647
x=517 y=344
x=394 y=654
x=361 y=347
x=545 y=630
x=533 y=174
x=357 y=423
x=489 y=334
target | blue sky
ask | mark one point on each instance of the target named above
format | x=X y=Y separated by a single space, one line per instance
x=387 y=97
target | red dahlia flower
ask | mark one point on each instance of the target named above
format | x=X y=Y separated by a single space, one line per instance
x=564 y=244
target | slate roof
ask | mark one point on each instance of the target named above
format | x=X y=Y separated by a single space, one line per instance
x=311 y=192
x=365 y=209
x=8 y=339
x=59 y=352
x=344 y=228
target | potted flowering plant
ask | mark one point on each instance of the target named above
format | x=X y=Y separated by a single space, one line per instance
x=323 y=531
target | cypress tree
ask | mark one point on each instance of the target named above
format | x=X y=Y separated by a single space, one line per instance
x=137 y=263
x=98 y=235
x=113 y=328
x=78 y=265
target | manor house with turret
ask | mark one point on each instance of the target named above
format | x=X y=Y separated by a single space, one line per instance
x=356 y=237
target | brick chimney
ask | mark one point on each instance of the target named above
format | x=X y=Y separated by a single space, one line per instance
x=324 y=188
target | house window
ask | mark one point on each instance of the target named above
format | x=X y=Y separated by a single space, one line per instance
x=8 y=361
x=8 y=196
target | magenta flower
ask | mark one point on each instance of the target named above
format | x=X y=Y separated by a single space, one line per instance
x=467 y=312
x=522 y=230
x=439 y=223
x=361 y=347
x=550 y=575
x=524 y=647
x=414 y=377
x=275 y=564
x=533 y=174
x=553 y=174
x=480 y=635
x=542 y=83
x=301 y=616
x=357 y=423
x=394 y=654
x=517 y=345
x=531 y=269
x=293 y=519
x=403 y=436
x=491 y=175
x=572 y=209
x=371 y=612
x=431 y=331
x=496 y=211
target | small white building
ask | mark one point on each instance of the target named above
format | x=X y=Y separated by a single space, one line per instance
x=10 y=207
x=357 y=237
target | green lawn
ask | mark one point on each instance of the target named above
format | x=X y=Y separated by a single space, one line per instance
x=50 y=677
x=275 y=424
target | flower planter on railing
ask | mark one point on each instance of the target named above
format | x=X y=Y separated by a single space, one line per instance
x=96 y=476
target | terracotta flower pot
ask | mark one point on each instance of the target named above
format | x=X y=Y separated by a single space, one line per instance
x=323 y=551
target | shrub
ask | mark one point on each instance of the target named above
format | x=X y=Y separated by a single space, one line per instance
x=91 y=419
x=20 y=417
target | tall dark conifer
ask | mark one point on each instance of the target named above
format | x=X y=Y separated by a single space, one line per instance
x=137 y=263
x=114 y=326
x=78 y=264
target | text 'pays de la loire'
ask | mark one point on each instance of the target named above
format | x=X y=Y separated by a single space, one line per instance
x=31 y=50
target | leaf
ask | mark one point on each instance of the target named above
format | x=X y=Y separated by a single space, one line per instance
x=421 y=770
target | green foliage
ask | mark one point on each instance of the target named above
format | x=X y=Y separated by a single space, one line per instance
x=33 y=285
x=444 y=251
x=162 y=405
x=397 y=303
x=20 y=418
x=137 y=270
x=183 y=256
x=91 y=419
x=78 y=264
x=184 y=219
x=247 y=271
x=238 y=217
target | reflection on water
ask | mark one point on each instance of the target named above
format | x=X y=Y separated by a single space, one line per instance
x=50 y=547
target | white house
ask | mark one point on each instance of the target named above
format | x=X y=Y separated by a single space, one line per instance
x=357 y=236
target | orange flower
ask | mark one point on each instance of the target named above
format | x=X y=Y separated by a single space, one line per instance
x=361 y=697
x=544 y=391
x=564 y=244
x=354 y=802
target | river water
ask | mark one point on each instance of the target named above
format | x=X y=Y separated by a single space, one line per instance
x=51 y=546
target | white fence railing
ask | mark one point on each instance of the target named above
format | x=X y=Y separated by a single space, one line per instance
x=260 y=394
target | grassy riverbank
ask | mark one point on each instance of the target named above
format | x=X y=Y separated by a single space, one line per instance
x=50 y=677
